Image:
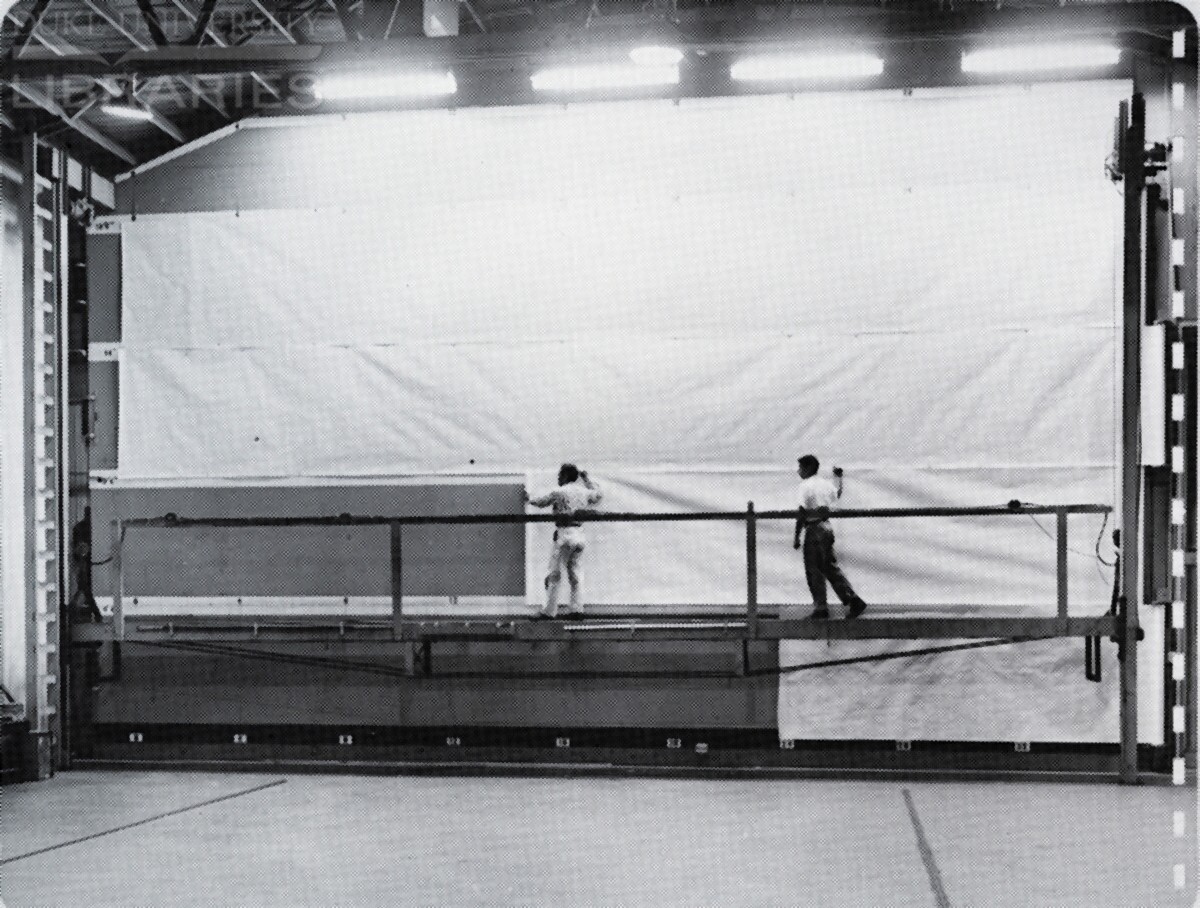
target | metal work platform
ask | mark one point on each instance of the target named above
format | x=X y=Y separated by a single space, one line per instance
x=648 y=627
x=746 y=621
x=402 y=645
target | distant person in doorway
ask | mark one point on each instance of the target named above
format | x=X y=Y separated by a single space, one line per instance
x=575 y=493
x=817 y=496
x=83 y=601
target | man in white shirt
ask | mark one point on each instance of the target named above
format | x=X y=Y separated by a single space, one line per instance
x=575 y=492
x=817 y=496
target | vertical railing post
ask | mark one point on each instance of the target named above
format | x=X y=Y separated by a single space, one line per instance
x=118 y=574
x=118 y=593
x=1061 y=540
x=397 y=581
x=751 y=571
x=1133 y=318
x=407 y=650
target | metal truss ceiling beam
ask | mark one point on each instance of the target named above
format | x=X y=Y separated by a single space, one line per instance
x=101 y=9
x=91 y=134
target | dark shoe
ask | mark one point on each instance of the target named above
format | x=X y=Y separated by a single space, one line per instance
x=857 y=607
x=542 y=616
x=819 y=615
x=575 y=616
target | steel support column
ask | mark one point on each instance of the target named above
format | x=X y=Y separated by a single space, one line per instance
x=1133 y=317
x=44 y=461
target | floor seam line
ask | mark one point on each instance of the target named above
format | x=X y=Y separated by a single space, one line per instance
x=142 y=822
x=931 y=868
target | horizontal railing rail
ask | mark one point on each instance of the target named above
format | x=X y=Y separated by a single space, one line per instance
x=605 y=517
x=749 y=517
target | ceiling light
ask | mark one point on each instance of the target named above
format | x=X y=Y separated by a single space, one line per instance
x=392 y=85
x=805 y=66
x=126 y=106
x=588 y=78
x=1040 y=58
x=123 y=111
x=656 y=55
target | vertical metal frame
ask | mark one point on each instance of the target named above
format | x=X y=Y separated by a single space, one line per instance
x=397 y=552
x=44 y=461
x=35 y=588
x=1133 y=317
x=1179 y=314
x=1060 y=542
x=751 y=570
x=62 y=454
x=118 y=572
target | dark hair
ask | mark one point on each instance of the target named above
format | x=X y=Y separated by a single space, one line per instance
x=810 y=463
x=568 y=472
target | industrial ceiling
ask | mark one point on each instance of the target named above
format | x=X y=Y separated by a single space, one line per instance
x=199 y=65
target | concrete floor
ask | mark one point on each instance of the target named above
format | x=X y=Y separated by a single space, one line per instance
x=92 y=838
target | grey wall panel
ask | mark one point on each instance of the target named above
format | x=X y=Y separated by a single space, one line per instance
x=103 y=385
x=273 y=167
x=104 y=326
x=161 y=686
x=104 y=287
x=193 y=186
x=314 y=561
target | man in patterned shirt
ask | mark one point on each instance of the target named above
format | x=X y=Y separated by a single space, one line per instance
x=575 y=493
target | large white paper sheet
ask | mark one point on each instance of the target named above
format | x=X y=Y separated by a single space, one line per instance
x=684 y=298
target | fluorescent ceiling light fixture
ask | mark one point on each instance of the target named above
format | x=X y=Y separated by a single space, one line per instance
x=123 y=111
x=392 y=85
x=1040 y=58
x=777 y=68
x=656 y=55
x=587 y=78
x=127 y=107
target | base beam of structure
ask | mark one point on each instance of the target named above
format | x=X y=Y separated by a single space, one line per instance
x=647 y=628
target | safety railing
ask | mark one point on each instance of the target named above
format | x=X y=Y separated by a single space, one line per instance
x=751 y=626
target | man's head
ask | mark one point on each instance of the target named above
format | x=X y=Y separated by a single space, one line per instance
x=809 y=466
x=567 y=474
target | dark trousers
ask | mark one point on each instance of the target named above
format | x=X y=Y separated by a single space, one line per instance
x=820 y=564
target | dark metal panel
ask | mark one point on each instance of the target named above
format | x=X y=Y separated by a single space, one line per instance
x=202 y=690
x=315 y=561
x=253 y=168
x=103 y=379
x=206 y=180
x=1159 y=278
x=1156 y=581
x=104 y=287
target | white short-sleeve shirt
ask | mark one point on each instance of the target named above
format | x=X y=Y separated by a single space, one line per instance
x=817 y=492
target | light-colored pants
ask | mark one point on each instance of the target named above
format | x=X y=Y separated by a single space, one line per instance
x=565 y=555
